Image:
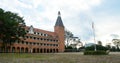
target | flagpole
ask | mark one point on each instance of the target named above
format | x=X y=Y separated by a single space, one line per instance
x=94 y=35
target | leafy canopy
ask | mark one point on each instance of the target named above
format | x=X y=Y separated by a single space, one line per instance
x=11 y=26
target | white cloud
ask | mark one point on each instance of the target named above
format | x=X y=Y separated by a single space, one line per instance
x=105 y=26
x=43 y=14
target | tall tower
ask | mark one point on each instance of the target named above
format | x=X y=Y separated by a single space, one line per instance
x=59 y=30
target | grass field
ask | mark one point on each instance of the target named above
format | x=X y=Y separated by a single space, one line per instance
x=57 y=58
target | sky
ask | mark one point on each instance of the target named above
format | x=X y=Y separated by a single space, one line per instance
x=77 y=16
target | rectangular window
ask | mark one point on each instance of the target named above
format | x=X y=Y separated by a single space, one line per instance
x=37 y=43
x=26 y=43
x=37 y=38
x=30 y=43
x=26 y=36
x=34 y=32
x=22 y=42
x=34 y=38
x=37 y=33
x=44 y=44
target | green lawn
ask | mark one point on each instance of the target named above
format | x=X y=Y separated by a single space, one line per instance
x=57 y=58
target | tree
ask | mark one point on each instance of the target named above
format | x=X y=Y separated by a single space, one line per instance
x=99 y=43
x=69 y=47
x=11 y=27
x=113 y=48
x=116 y=42
x=68 y=36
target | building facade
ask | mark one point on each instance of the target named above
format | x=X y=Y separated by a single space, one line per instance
x=40 y=41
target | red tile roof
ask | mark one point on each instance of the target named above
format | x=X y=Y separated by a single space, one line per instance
x=53 y=34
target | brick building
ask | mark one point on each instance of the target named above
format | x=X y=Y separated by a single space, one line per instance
x=40 y=41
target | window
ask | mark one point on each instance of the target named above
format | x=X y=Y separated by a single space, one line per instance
x=44 y=44
x=38 y=33
x=34 y=38
x=47 y=39
x=41 y=34
x=41 y=44
x=41 y=39
x=50 y=44
x=44 y=34
x=47 y=44
x=30 y=37
x=37 y=43
x=44 y=39
x=22 y=42
x=34 y=32
x=34 y=43
x=37 y=38
x=56 y=40
x=51 y=40
x=26 y=36
x=26 y=43
x=56 y=44
x=30 y=43
x=53 y=44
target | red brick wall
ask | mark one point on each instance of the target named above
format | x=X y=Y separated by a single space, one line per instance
x=60 y=32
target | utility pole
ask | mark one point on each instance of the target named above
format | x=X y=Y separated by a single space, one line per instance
x=94 y=36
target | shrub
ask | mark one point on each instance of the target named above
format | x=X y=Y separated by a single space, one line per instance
x=96 y=53
x=98 y=47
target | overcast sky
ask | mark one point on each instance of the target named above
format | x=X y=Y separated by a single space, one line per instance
x=77 y=16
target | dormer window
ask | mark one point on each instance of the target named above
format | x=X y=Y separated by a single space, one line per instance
x=31 y=31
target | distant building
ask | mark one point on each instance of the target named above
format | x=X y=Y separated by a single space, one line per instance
x=40 y=41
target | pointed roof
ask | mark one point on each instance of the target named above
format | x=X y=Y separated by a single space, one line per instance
x=59 y=20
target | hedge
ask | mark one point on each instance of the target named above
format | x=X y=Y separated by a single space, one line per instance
x=96 y=53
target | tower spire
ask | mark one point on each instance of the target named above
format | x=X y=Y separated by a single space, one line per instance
x=59 y=20
x=59 y=13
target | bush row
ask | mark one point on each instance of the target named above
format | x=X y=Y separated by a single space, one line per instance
x=96 y=53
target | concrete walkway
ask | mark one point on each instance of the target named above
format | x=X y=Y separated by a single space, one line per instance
x=114 y=53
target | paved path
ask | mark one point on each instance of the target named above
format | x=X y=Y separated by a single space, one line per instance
x=114 y=52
